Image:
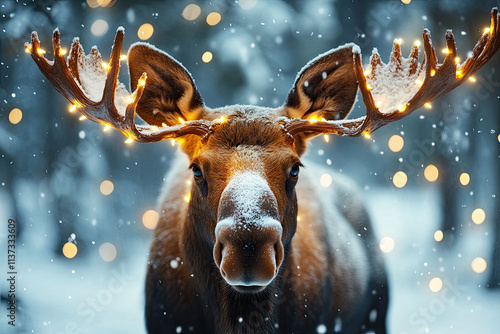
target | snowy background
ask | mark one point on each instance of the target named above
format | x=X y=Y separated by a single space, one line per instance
x=63 y=180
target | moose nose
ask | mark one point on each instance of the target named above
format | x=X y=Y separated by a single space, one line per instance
x=248 y=255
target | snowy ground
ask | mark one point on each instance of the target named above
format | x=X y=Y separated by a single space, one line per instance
x=71 y=296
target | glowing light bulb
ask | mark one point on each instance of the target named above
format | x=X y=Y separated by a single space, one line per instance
x=433 y=73
x=402 y=108
x=41 y=51
x=129 y=141
x=326 y=138
x=172 y=141
x=105 y=66
x=445 y=51
x=367 y=135
x=27 y=49
x=378 y=104
x=417 y=43
x=419 y=82
x=142 y=82
x=486 y=30
x=62 y=52
x=181 y=120
x=457 y=60
x=82 y=118
x=106 y=127
x=72 y=108
x=428 y=105
x=472 y=79
x=123 y=57
x=187 y=198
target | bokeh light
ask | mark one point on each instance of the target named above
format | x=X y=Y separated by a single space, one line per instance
x=396 y=143
x=69 y=250
x=478 y=216
x=107 y=251
x=386 y=244
x=399 y=179
x=464 y=179
x=478 y=265
x=431 y=173
x=325 y=180
x=438 y=235
x=207 y=57
x=247 y=4
x=150 y=219
x=99 y=27
x=435 y=284
x=106 y=187
x=213 y=18
x=191 y=12
x=15 y=116
x=145 y=31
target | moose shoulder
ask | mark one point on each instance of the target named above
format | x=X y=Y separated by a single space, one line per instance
x=233 y=256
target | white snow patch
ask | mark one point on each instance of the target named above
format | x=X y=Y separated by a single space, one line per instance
x=393 y=86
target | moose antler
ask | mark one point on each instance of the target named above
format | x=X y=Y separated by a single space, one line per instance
x=68 y=81
x=401 y=77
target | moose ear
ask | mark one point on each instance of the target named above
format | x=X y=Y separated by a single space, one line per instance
x=169 y=93
x=326 y=87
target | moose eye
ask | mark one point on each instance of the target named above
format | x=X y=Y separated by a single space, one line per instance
x=196 y=171
x=294 y=172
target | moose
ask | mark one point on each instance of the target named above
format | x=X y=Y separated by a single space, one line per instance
x=255 y=250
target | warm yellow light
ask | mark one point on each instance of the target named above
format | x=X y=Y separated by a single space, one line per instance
x=142 y=82
x=398 y=41
x=367 y=135
x=445 y=51
x=433 y=73
x=498 y=138
x=221 y=119
x=191 y=12
x=428 y=105
x=464 y=179
x=435 y=284
x=402 y=108
x=105 y=66
x=172 y=141
x=378 y=104
x=326 y=138
x=129 y=141
x=486 y=30
x=62 y=52
x=69 y=250
x=145 y=31
x=386 y=244
x=27 y=49
x=181 y=120
x=399 y=179
x=431 y=173
x=472 y=79
x=123 y=57
x=82 y=118
x=298 y=218
x=72 y=108
x=163 y=125
x=187 y=198
x=150 y=219
x=457 y=60
x=106 y=187
x=478 y=265
x=207 y=57
x=419 y=82
x=15 y=116
x=106 y=127
x=417 y=42
x=107 y=251
x=396 y=143
x=438 y=235
x=130 y=99
x=366 y=73
x=406 y=2
x=325 y=180
x=368 y=86
x=459 y=74
x=478 y=216
x=213 y=18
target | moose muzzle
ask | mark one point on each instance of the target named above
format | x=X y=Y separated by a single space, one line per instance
x=248 y=248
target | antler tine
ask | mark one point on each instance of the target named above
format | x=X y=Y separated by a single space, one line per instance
x=439 y=80
x=65 y=77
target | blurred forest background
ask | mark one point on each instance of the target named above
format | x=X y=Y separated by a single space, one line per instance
x=431 y=181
